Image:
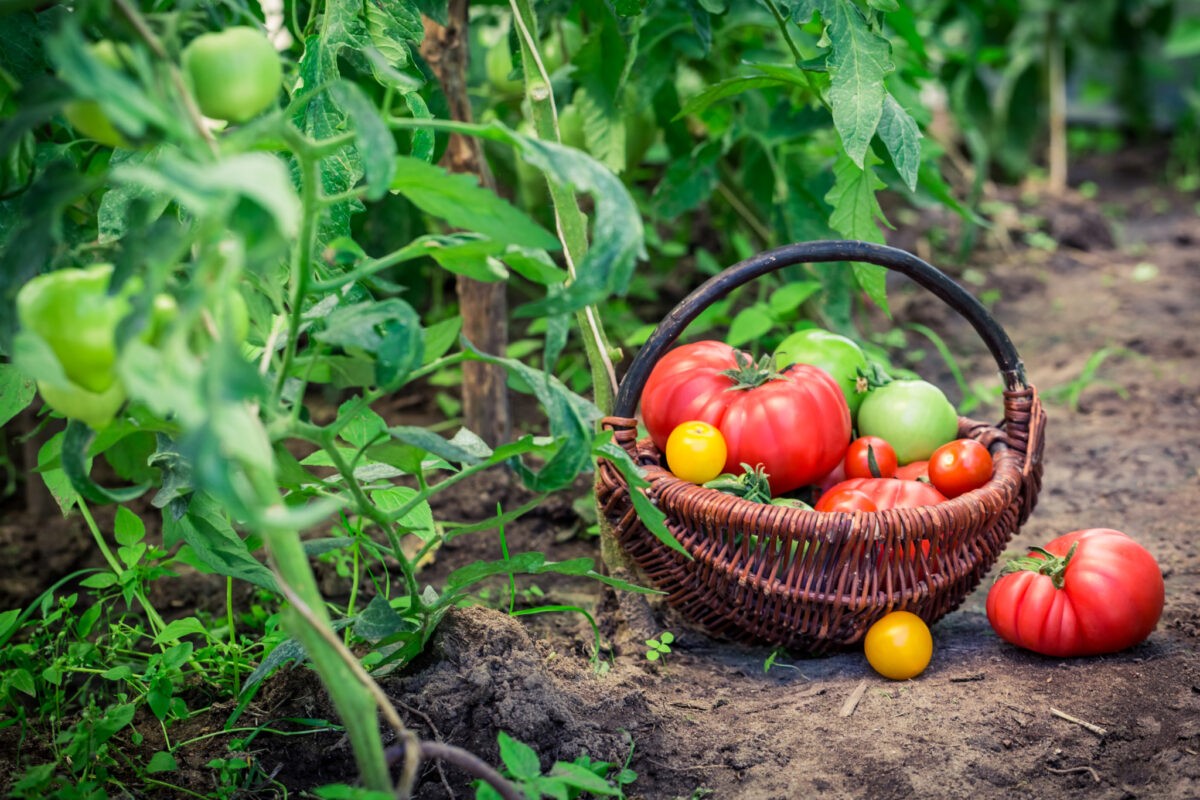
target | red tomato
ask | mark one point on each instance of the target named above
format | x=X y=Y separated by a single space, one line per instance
x=863 y=451
x=891 y=493
x=847 y=500
x=915 y=471
x=1089 y=592
x=959 y=467
x=795 y=422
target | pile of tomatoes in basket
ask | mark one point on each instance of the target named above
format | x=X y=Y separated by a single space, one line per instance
x=780 y=429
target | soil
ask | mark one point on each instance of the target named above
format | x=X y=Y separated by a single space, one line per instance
x=1106 y=324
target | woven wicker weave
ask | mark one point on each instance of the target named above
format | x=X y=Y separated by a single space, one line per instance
x=809 y=581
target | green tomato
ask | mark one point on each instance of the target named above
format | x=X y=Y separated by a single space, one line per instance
x=86 y=116
x=235 y=73
x=72 y=312
x=97 y=409
x=499 y=64
x=841 y=357
x=913 y=416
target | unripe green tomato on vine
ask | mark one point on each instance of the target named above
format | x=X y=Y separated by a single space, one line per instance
x=235 y=73
x=86 y=116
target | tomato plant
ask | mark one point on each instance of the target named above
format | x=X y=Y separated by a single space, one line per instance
x=914 y=416
x=696 y=451
x=838 y=355
x=899 y=645
x=892 y=493
x=1085 y=593
x=847 y=500
x=235 y=73
x=870 y=457
x=794 y=422
x=960 y=466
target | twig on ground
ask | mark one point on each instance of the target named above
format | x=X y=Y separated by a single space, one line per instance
x=1096 y=729
x=852 y=701
x=1073 y=770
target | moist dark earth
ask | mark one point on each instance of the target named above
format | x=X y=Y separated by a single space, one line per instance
x=1112 y=313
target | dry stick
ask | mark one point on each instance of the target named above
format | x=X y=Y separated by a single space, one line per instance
x=853 y=700
x=465 y=760
x=1072 y=770
x=437 y=737
x=1096 y=729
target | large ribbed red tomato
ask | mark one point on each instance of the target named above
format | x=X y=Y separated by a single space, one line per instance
x=1085 y=593
x=795 y=422
x=893 y=493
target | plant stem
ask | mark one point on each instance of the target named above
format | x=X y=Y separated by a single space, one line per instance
x=237 y=664
x=156 y=621
x=570 y=221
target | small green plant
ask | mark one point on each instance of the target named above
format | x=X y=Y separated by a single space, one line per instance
x=565 y=780
x=658 y=649
x=1070 y=392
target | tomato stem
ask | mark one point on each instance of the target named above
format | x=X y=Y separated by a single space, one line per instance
x=1043 y=562
x=750 y=375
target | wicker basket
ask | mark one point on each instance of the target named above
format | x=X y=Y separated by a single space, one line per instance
x=808 y=581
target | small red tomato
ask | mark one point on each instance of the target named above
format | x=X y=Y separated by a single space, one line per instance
x=870 y=457
x=959 y=467
x=847 y=500
x=916 y=471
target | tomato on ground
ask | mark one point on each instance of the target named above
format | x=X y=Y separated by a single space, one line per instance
x=1086 y=593
x=899 y=645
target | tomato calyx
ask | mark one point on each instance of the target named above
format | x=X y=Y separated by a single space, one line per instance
x=753 y=484
x=873 y=377
x=1044 y=563
x=750 y=375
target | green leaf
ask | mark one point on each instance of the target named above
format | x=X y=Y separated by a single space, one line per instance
x=535 y=266
x=77 y=467
x=22 y=680
x=8 y=622
x=789 y=297
x=460 y=201
x=162 y=761
x=572 y=421
x=418 y=521
x=520 y=759
x=55 y=478
x=432 y=443
x=128 y=527
x=600 y=98
x=374 y=140
x=579 y=777
x=859 y=62
x=855 y=211
x=388 y=330
x=689 y=182
x=440 y=337
x=1184 y=39
x=262 y=178
x=900 y=134
x=379 y=621
x=177 y=629
x=215 y=543
x=750 y=325
x=520 y=564
x=474 y=258
x=119 y=673
x=16 y=392
x=729 y=87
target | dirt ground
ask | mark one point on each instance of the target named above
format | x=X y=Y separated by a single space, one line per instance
x=985 y=720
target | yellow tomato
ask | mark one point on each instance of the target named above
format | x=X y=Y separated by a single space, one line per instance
x=899 y=646
x=696 y=451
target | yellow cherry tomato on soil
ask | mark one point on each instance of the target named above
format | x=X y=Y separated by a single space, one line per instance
x=696 y=451
x=899 y=646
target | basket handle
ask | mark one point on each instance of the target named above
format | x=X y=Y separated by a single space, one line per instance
x=1012 y=369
